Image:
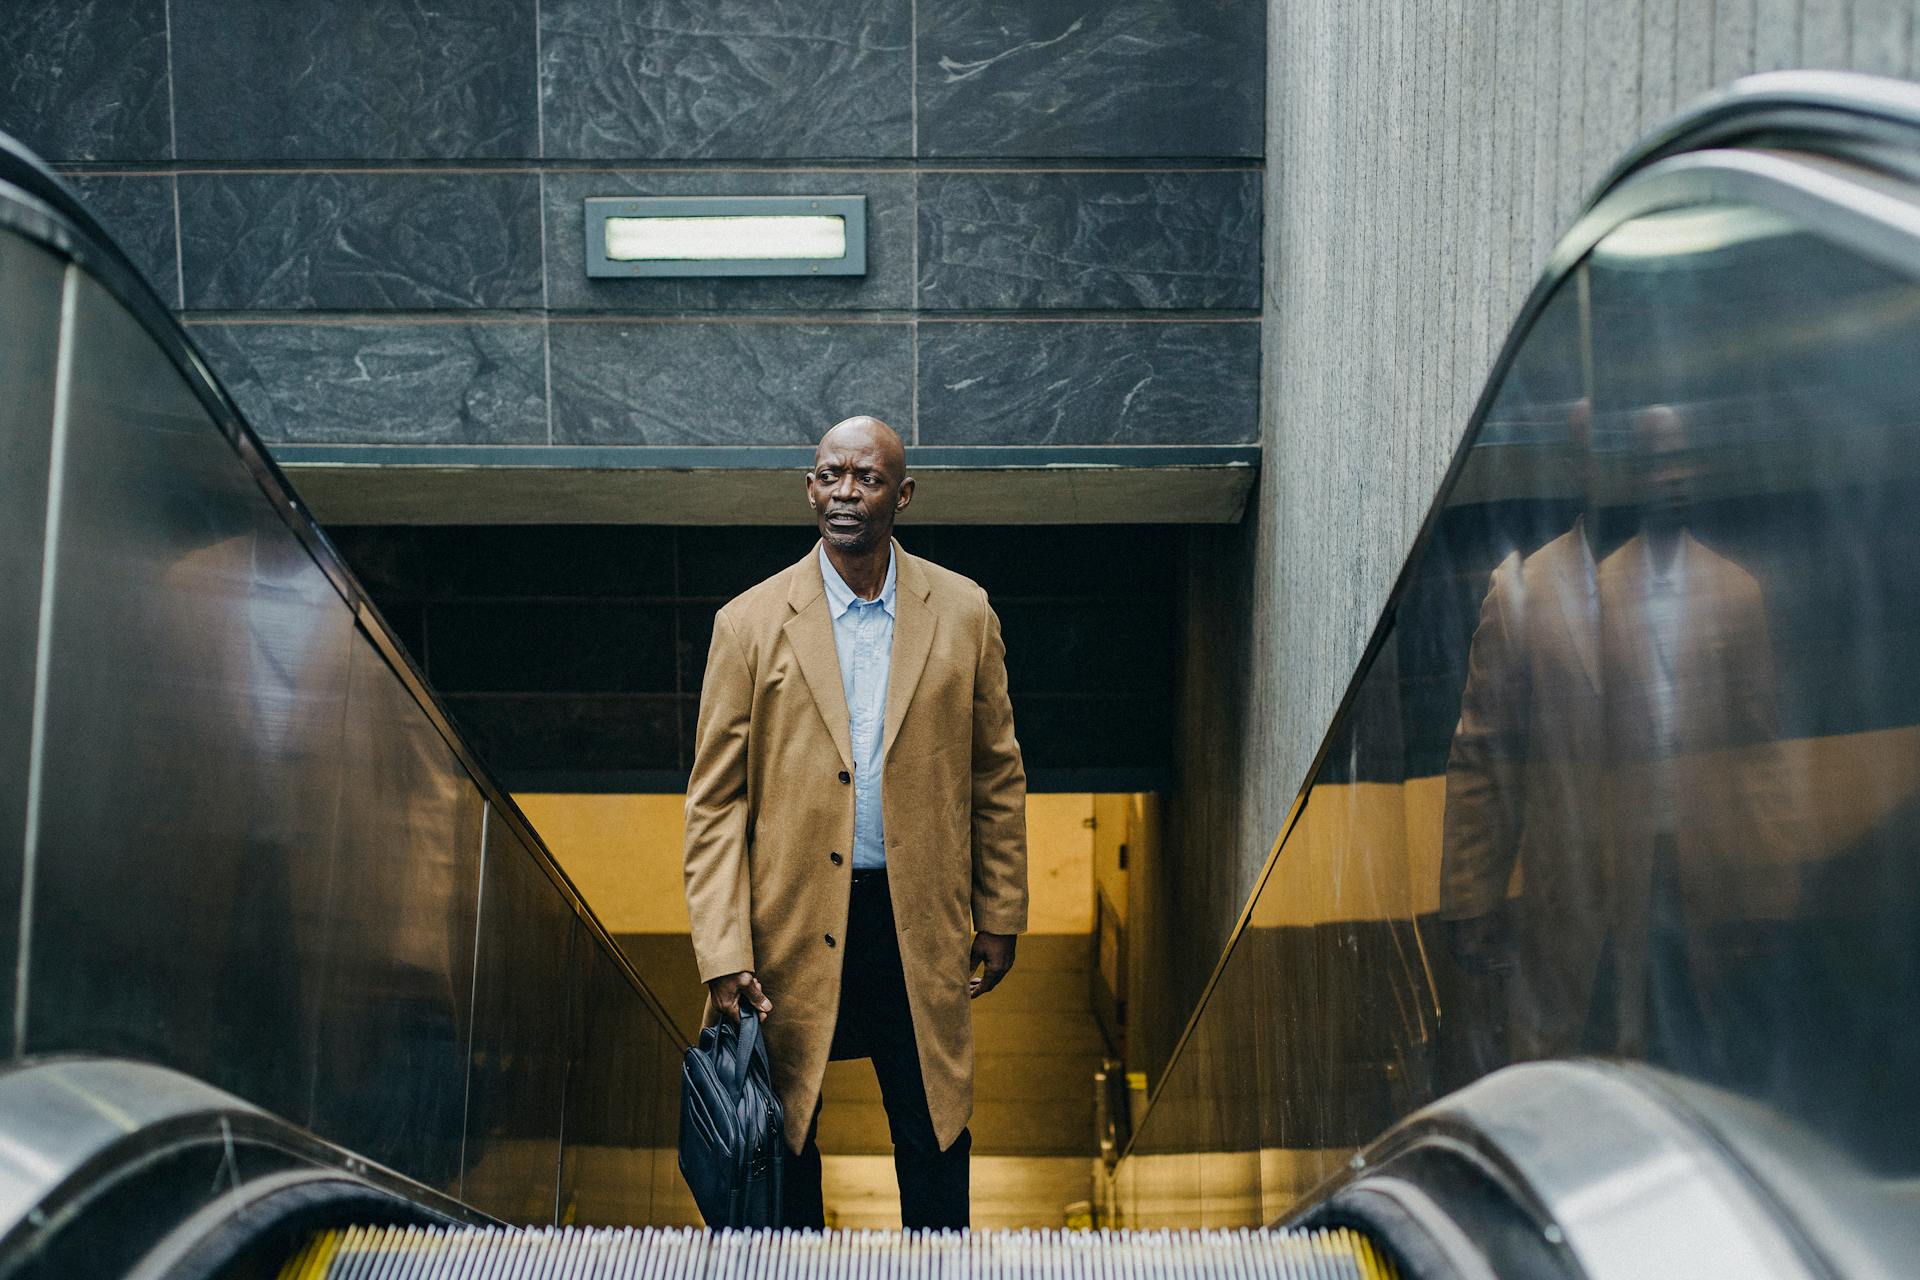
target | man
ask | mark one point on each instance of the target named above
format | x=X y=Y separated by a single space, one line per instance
x=857 y=802
x=1525 y=778
x=1616 y=739
x=1704 y=816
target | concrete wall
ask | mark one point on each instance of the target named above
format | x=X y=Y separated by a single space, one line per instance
x=1421 y=161
x=370 y=213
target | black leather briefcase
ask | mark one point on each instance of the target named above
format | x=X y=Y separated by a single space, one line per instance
x=732 y=1129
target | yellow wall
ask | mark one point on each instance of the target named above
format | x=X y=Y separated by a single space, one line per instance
x=1339 y=860
x=1060 y=863
x=624 y=853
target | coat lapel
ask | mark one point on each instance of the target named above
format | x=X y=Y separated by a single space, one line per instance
x=1576 y=590
x=810 y=632
x=913 y=625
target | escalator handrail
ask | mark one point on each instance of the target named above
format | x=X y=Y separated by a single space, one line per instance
x=107 y=1157
x=1824 y=116
x=1601 y=1161
x=37 y=204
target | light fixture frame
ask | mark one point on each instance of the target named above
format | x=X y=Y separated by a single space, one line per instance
x=853 y=209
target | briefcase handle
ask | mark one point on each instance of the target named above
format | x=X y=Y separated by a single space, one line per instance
x=746 y=1040
x=748 y=1043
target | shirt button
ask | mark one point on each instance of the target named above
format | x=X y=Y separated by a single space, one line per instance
x=836 y=858
x=829 y=939
x=845 y=776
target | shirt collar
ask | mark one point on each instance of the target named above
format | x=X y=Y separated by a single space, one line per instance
x=840 y=596
x=1676 y=566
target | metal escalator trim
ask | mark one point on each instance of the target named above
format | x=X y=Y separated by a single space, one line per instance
x=1597 y=1161
x=1400 y=1212
x=227 y=1226
x=553 y=1253
x=1836 y=112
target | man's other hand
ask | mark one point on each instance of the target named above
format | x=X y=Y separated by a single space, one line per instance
x=728 y=991
x=993 y=956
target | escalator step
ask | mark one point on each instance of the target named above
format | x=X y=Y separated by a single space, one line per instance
x=648 y=1253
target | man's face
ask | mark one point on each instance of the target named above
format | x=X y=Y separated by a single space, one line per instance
x=1670 y=467
x=857 y=485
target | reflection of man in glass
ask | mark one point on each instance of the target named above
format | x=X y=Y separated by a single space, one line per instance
x=1527 y=758
x=1700 y=812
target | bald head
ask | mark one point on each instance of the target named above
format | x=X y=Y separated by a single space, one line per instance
x=1671 y=471
x=861 y=432
x=858 y=484
x=1660 y=427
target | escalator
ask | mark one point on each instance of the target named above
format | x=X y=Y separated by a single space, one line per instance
x=1591 y=948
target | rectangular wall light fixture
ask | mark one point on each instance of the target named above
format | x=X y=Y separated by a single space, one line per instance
x=630 y=236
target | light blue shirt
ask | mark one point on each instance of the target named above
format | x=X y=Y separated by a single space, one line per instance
x=863 y=637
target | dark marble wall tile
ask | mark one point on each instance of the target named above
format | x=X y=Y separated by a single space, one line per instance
x=521 y=733
x=654 y=79
x=1091 y=77
x=1129 y=563
x=1068 y=732
x=725 y=383
x=360 y=241
x=551 y=646
x=718 y=562
x=84 y=80
x=1171 y=239
x=384 y=384
x=1085 y=647
x=887 y=284
x=570 y=676
x=137 y=211
x=370 y=79
x=546 y=560
x=1045 y=382
x=693 y=640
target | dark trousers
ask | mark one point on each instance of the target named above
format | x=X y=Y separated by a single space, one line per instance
x=874 y=1023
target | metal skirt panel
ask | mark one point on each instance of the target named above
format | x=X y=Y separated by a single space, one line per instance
x=30 y=281
x=195 y=680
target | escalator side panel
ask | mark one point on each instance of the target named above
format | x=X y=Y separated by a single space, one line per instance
x=390 y=957
x=30 y=280
x=518 y=1078
x=618 y=1162
x=197 y=682
x=259 y=836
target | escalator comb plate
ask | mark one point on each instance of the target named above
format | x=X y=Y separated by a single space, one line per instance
x=648 y=1253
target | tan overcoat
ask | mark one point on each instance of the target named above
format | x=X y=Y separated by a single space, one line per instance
x=1555 y=763
x=1526 y=782
x=769 y=805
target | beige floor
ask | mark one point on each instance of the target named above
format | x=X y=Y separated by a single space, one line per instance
x=1008 y=1191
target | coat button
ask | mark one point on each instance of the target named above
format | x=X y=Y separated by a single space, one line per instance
x=829 y=939
x=845 y=776
x=836 y=858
